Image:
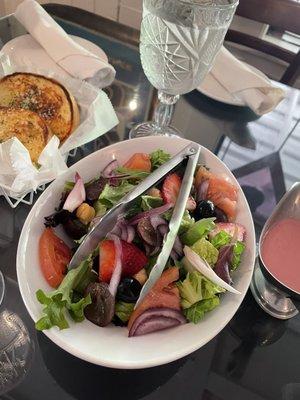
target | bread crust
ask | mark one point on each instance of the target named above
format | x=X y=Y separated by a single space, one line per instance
x=43 y=95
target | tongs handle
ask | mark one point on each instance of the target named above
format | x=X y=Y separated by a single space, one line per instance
x=160 y=172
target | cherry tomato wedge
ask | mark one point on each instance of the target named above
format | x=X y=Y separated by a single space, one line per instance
x=54 y=255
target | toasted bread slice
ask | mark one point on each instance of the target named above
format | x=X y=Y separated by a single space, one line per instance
x=45 y=96
x=27 y=126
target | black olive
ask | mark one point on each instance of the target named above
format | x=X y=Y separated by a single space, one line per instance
x=102 y=308
x=129 y=290
x=220 y=215
x=74 y=228
x=204 y=209
x=94 y=189
x=59 y=217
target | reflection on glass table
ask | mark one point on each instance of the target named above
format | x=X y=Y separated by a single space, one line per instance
x=16 y=346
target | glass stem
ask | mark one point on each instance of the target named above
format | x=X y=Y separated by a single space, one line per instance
x=164 y=110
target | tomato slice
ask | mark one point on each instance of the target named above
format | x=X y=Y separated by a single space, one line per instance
x=54 y=256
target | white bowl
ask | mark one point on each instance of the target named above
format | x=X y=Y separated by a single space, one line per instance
x=110 y=346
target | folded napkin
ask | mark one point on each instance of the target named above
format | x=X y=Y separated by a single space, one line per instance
x=256 y=91
x=72 y=57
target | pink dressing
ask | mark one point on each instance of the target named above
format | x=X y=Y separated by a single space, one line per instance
x=280 y=252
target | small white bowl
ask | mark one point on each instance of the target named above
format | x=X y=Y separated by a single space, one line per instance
x=111 y=346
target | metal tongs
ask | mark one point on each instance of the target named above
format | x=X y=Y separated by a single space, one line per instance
x=109 y=220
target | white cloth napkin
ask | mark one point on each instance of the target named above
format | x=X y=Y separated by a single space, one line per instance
x=256 y=91
x=72 y=57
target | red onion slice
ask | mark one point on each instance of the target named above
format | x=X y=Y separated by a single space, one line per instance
x=202 y=190
x=150 y=213
x=130 y=233
x=157 y=220
x=163 y=229
x=116 y=276
x=178 y=247
x=124 y=232
x=108 y=171
x=174 y=255
x=155 y=319
x=77 y=195
x=222 y=264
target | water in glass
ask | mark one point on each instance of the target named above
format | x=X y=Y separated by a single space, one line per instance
x=179 y=41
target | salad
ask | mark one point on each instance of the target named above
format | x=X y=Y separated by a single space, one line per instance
x=105 y=287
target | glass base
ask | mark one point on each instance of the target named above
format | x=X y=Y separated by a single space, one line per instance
x=270 y=298
x=2 y=288
x=151 y=129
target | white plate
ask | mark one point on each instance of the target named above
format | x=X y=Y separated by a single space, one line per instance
x=213 y=89
x=25 y=50
x=110 y=346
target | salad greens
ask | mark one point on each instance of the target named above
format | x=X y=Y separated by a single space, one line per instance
x=100 y=208
x=158 y=158
x=149 y=202
x=60 y=300
x=124 y=310
x=197 y=311
x=238 y=250
x=132 y=174
x=221 y=239
x=196 y=287
x=198 y=230
x=206 y=251
x=186 y=222
x=111 y=195
x=198 y=296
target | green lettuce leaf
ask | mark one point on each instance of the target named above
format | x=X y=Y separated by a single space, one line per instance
x=100 y=208
x=158 y=158
x=206 y=251
x=238 y=250
x=111 y=195
x=76 y=310
x=60 y=300
x=198 y=230
x=221 y=239
x=149 y=202
x=196 y=287
x=133 y=174
x=186 y=222
x=196 y=312
x=124 y=310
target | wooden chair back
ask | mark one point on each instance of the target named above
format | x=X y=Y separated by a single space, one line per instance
x=281 y=14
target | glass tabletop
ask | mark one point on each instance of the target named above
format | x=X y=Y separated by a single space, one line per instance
x=255 y=357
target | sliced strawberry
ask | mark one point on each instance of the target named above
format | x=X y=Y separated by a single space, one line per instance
x=133 y=259
x=170 y=191
x=235 y=230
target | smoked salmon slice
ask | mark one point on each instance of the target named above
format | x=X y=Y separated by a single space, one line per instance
x=164 y=294
x=222 y=193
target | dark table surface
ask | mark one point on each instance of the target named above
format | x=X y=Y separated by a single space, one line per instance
x=255 y=357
